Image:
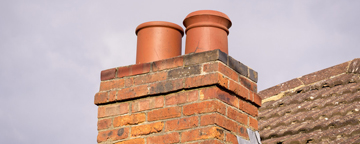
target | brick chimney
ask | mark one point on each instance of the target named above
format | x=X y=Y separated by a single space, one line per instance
x=206 y=97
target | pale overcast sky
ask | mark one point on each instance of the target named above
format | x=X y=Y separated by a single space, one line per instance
x=52 y=52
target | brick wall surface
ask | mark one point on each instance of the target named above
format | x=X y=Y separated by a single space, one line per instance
x=196 y=98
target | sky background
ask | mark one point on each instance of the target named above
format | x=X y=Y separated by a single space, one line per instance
x=52 y=52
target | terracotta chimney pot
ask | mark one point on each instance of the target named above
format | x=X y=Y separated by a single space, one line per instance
x=206 y=30
x=157 y=40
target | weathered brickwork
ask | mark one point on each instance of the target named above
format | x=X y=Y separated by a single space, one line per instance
x=195 y=99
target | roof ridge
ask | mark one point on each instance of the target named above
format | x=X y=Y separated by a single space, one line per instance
x=278 y=91
x=313 y=97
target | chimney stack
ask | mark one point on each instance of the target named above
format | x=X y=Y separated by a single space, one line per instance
x=202 y=97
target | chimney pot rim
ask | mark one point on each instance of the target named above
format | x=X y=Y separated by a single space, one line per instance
x=159 y=24
x=208 y=12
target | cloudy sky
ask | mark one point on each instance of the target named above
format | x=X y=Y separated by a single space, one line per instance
x=52 y=52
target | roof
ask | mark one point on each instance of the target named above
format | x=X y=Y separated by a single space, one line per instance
x=321 y=107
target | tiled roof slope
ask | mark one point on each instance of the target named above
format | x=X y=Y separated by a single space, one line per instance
x=321 y=107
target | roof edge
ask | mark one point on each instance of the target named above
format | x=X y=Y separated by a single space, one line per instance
x=277 y=92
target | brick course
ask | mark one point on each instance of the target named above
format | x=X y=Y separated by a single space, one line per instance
x=164 y=113
x=231 y=138
x=132 y=141
x=147 y=129
x=202 y=133
x=164 y=139
x=129 y=119
x=183 y=123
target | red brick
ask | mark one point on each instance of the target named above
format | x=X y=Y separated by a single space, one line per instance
x=164 y=113
x=237 y=116
x=213 y=118
x=140 y=68
x=241 y=105
x=105 y=85
x=175 y=99
x=193 y=96
x=141 y=90
x=204 y=107
x=101 y=97
x=208 y=79
x=166 y=86
x=129 y=82
x=112 y=84
x=164 y=139
x=149 y=103
x=231 y=138
x=182 y=97
x=123 y=71
x=147 y=129
x=202 y=133
x=149 y=78
x=243 y=132
x=114 y=109
x=228 y=72
x=104 y=124
x=112 y=96
x=180 y=124
x=217 y=93
x=133 y=141
x=257 y=99
x=132 y=92
x=253 y=123
x=125 y=93
x=103 y=136
x=250 y=109
x=211 y=141
x=251 y=96
x=129 y=119
x=248 y=83
x=224 y=123
x=239 y=90
x=220 y=121
x=211 y=67
x=220 y=67
x=115 y=134
x=167 y=64
x=133 y=70
x=117 y=83
x=108 y=74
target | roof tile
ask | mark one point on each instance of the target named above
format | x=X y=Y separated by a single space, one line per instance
x=354 y=66
x=326 y=109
